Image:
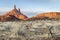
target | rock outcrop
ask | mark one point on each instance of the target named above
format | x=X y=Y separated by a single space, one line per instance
x=50 y=15
x=14 y=14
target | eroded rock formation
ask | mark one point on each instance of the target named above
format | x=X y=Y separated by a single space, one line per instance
x=14 y=14
x=50 y=15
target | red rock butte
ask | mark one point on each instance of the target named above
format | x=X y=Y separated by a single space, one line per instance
x=50 y=15
x=13 y=14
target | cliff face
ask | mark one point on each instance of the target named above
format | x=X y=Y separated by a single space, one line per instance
x=50 y=15
x=14 y=14
x=47 y=15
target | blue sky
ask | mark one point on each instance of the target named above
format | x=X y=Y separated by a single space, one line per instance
x=31 y=5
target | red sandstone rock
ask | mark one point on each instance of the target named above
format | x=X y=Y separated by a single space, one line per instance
x=50 y=15
x=46 y=15
x=13 y=14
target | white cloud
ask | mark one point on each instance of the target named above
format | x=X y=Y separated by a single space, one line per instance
x=4 y=9
x=54 y=0
x=32 y=10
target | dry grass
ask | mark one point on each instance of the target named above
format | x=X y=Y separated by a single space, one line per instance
x=30 y=30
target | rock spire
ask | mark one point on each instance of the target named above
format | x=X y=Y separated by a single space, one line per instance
x=14 y=6
x=19 y=9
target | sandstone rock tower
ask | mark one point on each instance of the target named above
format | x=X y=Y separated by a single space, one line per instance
x=14 y=6
x=13 y=14
x=19 y=9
